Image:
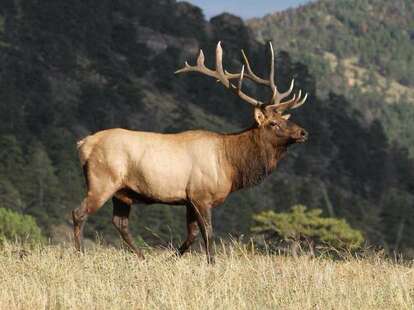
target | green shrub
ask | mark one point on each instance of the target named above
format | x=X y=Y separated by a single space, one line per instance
x=18 y=227
x=301 y=224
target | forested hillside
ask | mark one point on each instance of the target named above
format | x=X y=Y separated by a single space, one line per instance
x=362 y=49
x=69 y=68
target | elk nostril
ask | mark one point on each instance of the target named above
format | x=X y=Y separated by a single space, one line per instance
x=303 y=133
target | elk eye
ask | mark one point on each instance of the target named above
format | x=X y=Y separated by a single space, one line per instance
x=275 y=125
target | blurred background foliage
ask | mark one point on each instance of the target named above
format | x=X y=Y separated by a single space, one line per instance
x=20 y=228
x=302 y=227
x=70 y=68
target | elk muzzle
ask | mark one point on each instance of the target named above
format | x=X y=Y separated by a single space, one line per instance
x=300 y=136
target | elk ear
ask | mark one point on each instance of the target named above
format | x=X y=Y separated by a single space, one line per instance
x=259 y=116
x=286 y=116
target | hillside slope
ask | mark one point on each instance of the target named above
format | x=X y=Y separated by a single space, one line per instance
x=362 y=49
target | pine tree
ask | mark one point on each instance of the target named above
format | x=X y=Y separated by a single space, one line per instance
x=43 y=192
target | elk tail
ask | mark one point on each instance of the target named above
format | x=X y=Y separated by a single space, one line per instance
x=85 y=148
x=80 y=143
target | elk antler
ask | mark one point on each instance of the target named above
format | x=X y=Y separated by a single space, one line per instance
x=224 y=77
x=220 y=75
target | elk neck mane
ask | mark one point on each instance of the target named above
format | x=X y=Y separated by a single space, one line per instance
x=251 y=157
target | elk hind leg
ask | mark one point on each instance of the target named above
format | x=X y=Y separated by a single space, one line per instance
x=79 y=217
x=94 y=201
x=120 y=220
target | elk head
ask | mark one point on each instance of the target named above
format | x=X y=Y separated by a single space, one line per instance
x=269 y=116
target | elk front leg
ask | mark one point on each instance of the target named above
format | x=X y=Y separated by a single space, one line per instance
x=192 y=230
x=120 y=220
x=203 y=214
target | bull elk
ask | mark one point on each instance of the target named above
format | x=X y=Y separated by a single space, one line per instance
x=195 y=168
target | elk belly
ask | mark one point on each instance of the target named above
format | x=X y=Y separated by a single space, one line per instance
x=160 y=178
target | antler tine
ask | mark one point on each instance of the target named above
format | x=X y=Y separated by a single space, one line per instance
x=300 y=102
x=200 y=59
x=239 y=92
x=277 y=97
x=282 y=106
x=293 y=103
x=184 y=69
x=219 y=66
x=251 y=74
x=280 y=96
x=289 y=91
x=200 y=67
x=241 y=78
x=275 y=94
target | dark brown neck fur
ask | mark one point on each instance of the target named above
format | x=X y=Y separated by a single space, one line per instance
x=252 y=156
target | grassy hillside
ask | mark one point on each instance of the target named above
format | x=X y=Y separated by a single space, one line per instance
x=54 y=277
x=361 y=49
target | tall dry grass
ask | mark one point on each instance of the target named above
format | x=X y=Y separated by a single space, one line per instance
x=54 y=277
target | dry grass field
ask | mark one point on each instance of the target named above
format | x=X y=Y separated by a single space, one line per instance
x=54 y=277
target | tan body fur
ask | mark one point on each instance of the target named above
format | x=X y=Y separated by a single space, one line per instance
x=168 y=168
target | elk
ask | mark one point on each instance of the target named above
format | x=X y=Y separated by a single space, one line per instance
x=195 y=168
